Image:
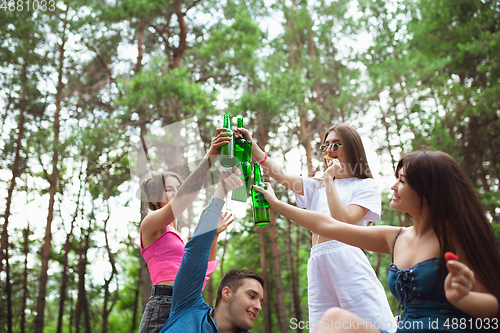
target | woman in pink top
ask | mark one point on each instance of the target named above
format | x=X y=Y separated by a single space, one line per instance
x=161 y=245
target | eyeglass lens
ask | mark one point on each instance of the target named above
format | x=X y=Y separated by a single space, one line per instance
x=336 y=146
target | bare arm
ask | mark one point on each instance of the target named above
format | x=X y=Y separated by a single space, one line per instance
x=186 y=194
x=351 y=214
x=467 y=293
x=377 y=239
x=272 y=168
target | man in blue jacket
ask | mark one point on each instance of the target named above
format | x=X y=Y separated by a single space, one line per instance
x=240 y=293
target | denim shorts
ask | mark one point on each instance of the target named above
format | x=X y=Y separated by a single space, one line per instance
x=157 y=310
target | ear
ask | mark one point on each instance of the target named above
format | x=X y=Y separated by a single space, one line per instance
x=226 y=293
x=153 y=200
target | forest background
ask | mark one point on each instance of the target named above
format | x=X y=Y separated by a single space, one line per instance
x=82 y=81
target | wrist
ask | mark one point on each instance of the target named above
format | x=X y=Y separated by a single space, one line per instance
x=329 y=178
x=210 y=158
x=257 y=153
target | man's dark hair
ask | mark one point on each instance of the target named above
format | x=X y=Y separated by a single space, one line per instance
x=234 y=279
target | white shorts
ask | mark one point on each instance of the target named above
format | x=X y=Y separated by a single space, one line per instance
x=340 y=275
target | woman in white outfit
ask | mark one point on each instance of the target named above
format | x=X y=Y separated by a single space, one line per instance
x=339 y=275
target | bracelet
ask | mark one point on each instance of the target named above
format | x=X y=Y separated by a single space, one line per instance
x=265 y=159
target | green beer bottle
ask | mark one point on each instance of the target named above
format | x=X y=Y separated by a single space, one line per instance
x=227 y=151
x=239 y=143
x=261 y=213
x=240 y=194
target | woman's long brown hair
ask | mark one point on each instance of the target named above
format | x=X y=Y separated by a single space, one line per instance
x=353 y=148
x=456 y=213
x=153 y=184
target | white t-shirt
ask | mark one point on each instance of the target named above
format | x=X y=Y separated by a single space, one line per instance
x=352 y=191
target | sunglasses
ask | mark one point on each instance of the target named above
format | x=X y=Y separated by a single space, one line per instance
x=334 y=146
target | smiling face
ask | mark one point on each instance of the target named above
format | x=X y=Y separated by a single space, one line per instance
x=405 y=198
x=245 y=304
x=172 y=185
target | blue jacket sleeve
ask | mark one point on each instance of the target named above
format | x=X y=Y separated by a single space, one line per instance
x=189 y=280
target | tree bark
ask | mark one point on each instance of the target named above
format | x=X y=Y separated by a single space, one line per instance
x=4 y=239
x=140 y=46
x=65 y=265
x=280 y=294
x=263 y=267
x=53 y=181
x=26 y=233
x=294 y=274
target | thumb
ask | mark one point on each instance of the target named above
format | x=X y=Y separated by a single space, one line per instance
x=258 y=188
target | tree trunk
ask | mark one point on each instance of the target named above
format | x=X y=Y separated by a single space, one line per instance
x=107 y=295
x=81 y=303
x=134 y=315
x=179 y=51
x=4 y=239
x=262 y=141
x=294 y=274
x=53 y=181
x=26 y=233
x=64 y=277
x=140 y=46
x=280 y=294
x=66 y=249
x=263 y=267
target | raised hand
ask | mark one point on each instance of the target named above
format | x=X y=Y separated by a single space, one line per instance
x=225 y=219
x=228 y=181
x=334 y=167
x=268 y=194
x=219 y=140
x=243 y=132
x=459 y=281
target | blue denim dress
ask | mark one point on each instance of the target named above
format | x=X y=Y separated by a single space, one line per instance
x=421 y=296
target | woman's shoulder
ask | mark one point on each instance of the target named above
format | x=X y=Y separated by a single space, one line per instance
x=367 y=182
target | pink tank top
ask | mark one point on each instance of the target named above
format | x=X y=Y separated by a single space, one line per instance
x=164 y=257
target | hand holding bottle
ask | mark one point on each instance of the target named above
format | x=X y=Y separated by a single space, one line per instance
x=268 y=193
x=243 y=133
x=220 y=139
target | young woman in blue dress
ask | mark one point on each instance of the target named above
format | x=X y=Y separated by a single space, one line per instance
x=435 y=295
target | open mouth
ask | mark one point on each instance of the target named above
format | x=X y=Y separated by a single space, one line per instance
x=253 y=315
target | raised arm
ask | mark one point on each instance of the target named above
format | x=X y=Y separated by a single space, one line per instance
x=159 y=219
x=225 y=219
x=271 y=167
x=377 y=239
x=189 y=280
x=350 y=214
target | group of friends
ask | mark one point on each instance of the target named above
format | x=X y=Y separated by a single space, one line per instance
x=435 y=294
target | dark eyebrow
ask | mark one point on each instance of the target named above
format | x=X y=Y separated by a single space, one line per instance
x=333 y=141
x=256 y=293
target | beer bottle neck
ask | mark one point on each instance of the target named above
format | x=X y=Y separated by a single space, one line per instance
x=227 y=121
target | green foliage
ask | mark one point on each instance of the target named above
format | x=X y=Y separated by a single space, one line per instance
x=164 y=94
x=429 y=77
